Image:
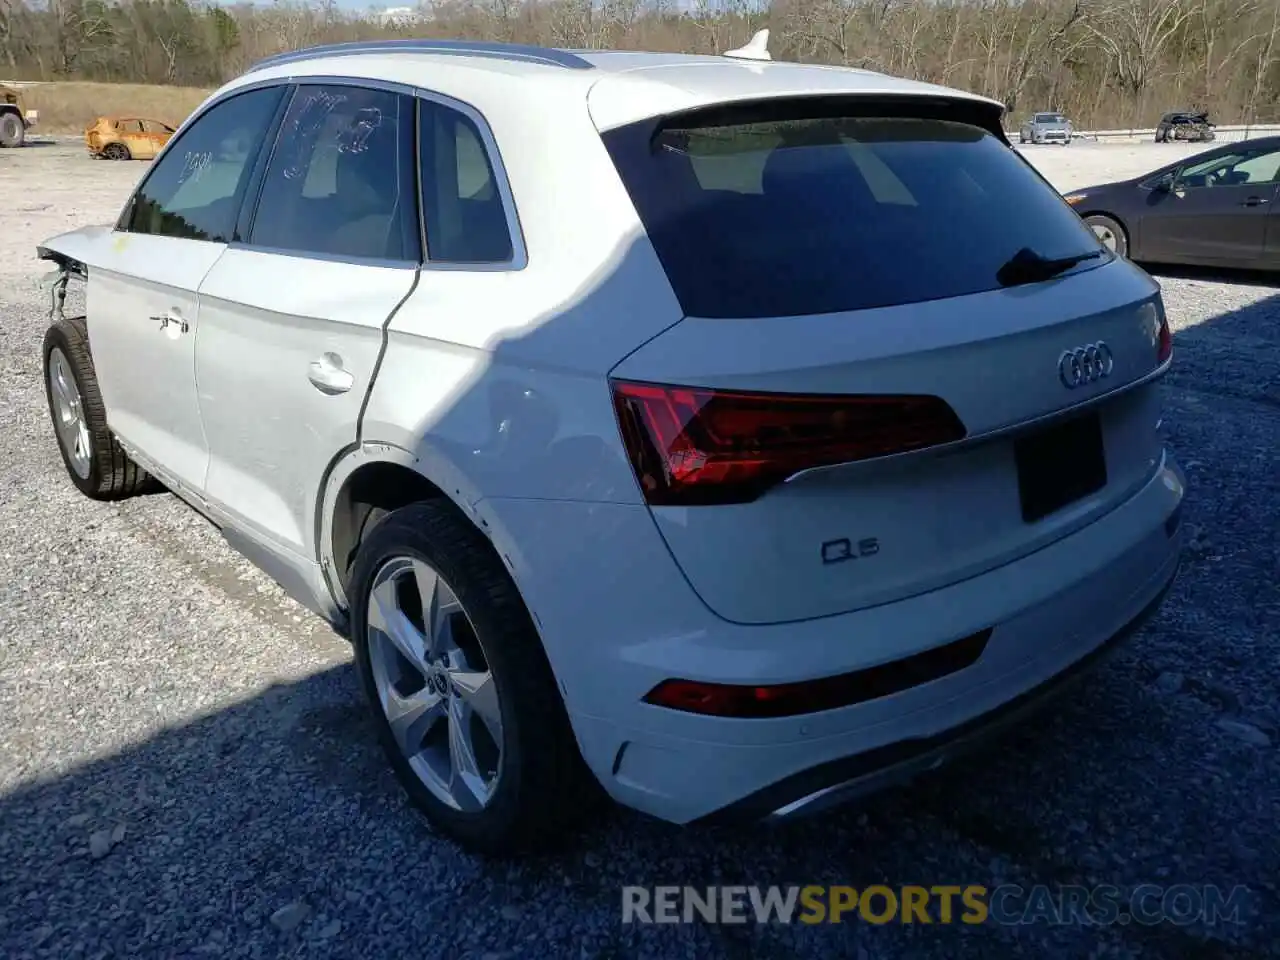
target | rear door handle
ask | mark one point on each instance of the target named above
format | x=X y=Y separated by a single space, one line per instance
x=1253 y=202
x=328 y=376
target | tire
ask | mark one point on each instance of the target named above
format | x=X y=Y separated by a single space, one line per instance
x=1101 y=223
x=13 y=132
x=116 y=151
x=102 y=470
x=541 y=784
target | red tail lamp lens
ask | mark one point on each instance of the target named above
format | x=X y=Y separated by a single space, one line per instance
x=826 y=693
x=693 y=445
x=1165 y=349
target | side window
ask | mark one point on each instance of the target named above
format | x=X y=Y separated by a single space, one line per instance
x=340 y=180
x=465 y=219
x=194 y=191
x=1235 y=169
x=1258 y=168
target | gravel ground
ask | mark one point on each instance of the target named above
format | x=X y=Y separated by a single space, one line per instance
x=185 y=767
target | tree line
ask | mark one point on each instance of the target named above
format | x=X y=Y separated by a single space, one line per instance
x=1105 y=63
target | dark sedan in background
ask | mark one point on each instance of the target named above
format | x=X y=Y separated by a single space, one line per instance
x=1215 y=209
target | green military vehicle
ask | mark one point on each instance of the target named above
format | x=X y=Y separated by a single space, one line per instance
x=15 y=119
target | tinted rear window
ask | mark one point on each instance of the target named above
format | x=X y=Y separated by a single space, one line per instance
x=787 y=217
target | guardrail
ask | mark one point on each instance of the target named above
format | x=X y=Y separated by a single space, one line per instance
x=1222 y=134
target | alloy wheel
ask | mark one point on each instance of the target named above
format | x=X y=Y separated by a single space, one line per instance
x=434 y=684
x=68 y=414
x=1106 y=235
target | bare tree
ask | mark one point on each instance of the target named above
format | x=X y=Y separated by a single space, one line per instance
x=1134 y=34
x=1101 y=61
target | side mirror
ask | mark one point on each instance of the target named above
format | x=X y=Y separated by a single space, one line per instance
x=1165 y=183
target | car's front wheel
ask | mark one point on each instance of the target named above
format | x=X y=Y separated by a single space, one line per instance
x=95 y=461
x=1110 y=232
x=464 y=699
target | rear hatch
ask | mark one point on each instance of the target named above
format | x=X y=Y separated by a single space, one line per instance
x=895 y=371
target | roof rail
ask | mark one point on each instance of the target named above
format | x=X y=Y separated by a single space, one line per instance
x=466 y=48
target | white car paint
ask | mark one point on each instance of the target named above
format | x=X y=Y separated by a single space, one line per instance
x=271 y=437
x=493 y=383
x=145 y=366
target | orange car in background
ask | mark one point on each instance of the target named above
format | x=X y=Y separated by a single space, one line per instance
x=127 y=138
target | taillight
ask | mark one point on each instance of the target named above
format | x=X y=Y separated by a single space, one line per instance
x=826 y=693
x=1164 y=350
x=693 y=445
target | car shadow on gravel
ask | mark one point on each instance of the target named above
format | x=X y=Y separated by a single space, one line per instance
x=273 y=828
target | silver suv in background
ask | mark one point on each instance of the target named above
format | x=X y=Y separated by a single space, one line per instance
x=1046 y=128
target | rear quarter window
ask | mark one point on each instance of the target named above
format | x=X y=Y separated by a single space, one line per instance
x=827 y=214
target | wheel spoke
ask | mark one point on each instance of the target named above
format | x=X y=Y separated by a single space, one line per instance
x=412 y=717
x=438 y=608
x=478 y=691
x=387 y=618
x=466 y=785
x=60 y=384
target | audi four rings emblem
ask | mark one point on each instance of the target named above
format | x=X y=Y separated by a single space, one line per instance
x=1085 y=364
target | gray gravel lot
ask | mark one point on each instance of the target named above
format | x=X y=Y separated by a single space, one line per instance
x=185 y=766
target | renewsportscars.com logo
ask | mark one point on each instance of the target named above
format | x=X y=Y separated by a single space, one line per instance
x=1008 y=904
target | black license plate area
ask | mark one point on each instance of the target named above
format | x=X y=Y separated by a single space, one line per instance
x=1059 y=465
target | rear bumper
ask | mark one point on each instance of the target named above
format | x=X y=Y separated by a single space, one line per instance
x=619 y=629
x=848 y=778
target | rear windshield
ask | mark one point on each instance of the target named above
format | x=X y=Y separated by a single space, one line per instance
x=1050 y=118
x=793 y=217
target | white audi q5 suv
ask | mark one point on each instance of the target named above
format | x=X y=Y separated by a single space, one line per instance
x=703 y=431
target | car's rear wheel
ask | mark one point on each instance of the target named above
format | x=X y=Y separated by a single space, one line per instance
x=12 y=130
x=1110 y=232
x=116 y=151
x=94 y=459
x=464 y=699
